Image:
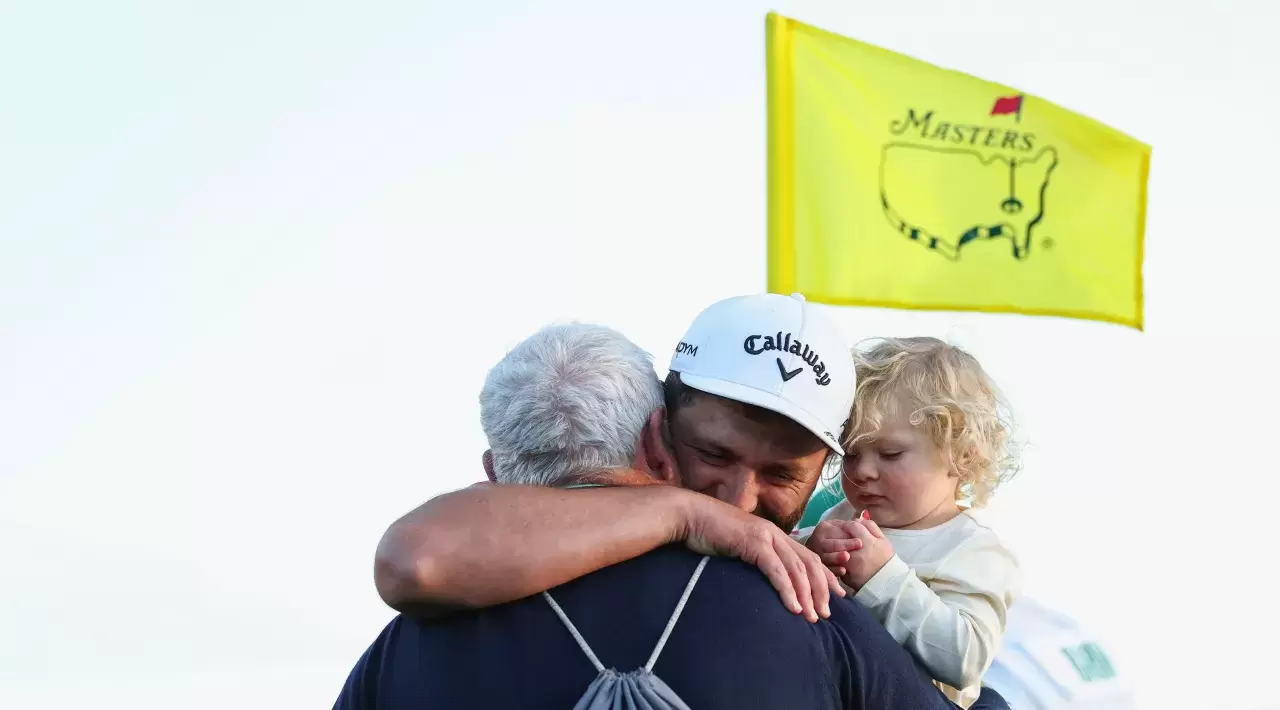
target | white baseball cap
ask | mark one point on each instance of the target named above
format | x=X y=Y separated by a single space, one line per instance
x=775 y=352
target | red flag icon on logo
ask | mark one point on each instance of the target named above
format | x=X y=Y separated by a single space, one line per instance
x=1006 y=105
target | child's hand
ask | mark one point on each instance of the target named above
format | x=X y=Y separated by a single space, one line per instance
x=873 y=554
x=834 y=542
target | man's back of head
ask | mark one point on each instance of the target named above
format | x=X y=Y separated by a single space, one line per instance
x=570 y=400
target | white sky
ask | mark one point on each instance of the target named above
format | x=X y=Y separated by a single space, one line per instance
x=255 y=259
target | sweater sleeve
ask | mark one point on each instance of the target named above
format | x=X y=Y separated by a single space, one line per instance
x=953 y=624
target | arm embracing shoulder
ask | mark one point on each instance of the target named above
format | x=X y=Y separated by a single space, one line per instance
x=488 y=545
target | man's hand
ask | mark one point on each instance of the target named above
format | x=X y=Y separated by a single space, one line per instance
x=805 y=585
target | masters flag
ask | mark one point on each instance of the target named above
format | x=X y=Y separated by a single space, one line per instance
x=896 y=183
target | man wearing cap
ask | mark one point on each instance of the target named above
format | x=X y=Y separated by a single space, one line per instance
x=579 y=408
x=757 y=398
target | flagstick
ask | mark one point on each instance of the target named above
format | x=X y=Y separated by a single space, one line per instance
x=1012 y=205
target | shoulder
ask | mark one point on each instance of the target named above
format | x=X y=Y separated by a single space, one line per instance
x=973 y=536
x=735 y=644
x=872 y=668
x=963 y=533
x=669 y=568
x=733 y=603
x=362 y=687
x=978 y=552
x=743 y=583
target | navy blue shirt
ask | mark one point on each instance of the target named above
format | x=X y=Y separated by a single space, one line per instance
x=735 y=646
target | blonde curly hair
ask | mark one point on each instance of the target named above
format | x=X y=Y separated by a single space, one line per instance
x=950 y=395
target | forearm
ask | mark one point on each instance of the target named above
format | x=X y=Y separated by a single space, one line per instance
x=952 y=637
x=488 y=545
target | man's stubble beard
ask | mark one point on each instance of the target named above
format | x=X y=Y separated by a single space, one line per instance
x=788 y=523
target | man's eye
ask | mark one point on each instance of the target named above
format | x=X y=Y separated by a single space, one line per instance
x=784 y=476
x=712 y=456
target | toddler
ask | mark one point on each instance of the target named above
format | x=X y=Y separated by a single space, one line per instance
x=924 y=447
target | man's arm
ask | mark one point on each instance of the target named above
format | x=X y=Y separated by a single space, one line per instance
x=488 y=545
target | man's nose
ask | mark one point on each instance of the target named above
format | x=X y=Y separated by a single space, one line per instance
x=741 y=490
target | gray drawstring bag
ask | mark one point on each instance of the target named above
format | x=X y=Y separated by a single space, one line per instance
x=635 y=690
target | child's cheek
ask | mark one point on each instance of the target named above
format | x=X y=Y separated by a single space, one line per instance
x=896 y=490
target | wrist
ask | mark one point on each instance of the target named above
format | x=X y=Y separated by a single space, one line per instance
x=883 y=581
x=679 y=510
x=862 y=578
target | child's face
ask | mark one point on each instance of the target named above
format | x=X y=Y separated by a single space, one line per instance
x=900 y=478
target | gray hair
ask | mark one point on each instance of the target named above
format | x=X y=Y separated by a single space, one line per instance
x=569 y=400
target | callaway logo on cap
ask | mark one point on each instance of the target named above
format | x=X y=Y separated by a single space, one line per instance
x=775 y=352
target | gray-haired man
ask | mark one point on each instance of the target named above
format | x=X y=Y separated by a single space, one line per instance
x=579 y=408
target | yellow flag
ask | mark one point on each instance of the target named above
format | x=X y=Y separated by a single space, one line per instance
x=895 y=183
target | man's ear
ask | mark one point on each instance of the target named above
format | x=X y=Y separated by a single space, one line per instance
x=487 y=460
x=653 y=453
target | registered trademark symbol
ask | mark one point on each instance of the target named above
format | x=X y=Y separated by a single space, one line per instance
x=1047 y=243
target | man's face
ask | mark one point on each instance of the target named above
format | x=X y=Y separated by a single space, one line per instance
x=758 y=461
